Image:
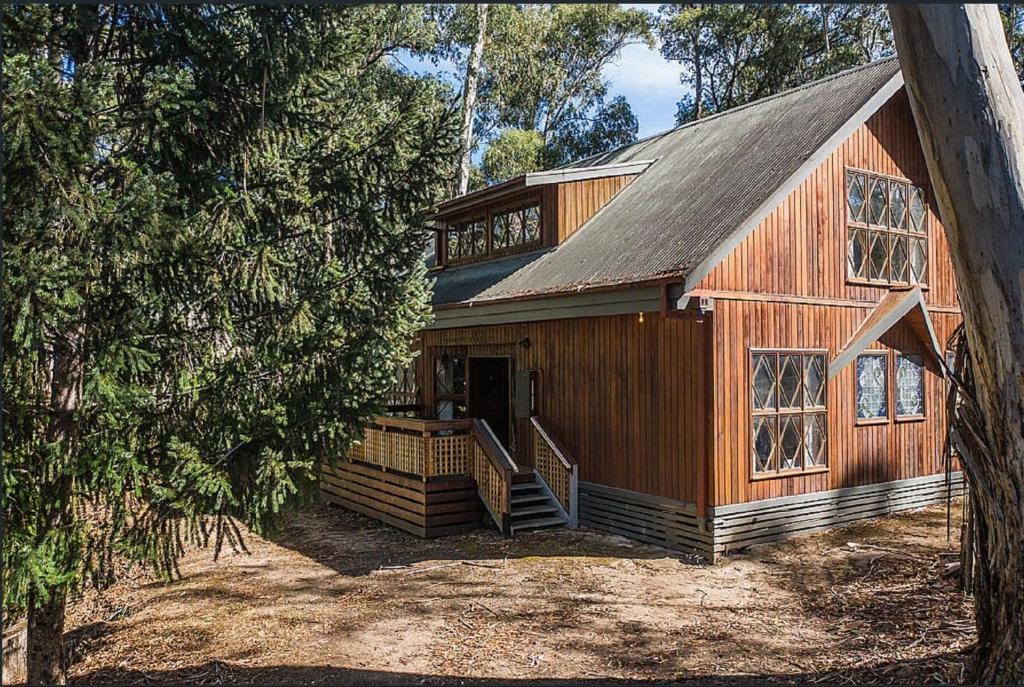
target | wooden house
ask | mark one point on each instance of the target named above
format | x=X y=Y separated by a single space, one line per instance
x=720 y=335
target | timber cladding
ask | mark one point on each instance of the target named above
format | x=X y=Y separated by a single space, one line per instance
x=858 y=454
x=626 y=397
x=431 y=508
x=676 y=525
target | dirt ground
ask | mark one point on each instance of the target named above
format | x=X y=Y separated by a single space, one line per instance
x=341 y=598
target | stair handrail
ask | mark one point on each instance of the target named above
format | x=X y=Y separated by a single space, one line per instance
x=492 y=468
x=564 y=486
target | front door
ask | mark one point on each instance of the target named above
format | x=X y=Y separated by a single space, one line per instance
x=490 y=395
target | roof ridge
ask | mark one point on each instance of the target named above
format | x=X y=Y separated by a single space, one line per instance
x=738 y=108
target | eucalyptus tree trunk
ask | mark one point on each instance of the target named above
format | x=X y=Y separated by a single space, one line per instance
x=469 y=89
x=969 y=110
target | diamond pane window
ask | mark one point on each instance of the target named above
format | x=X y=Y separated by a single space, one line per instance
x=879 y=256
x=764 y=443
x=880 y=242
x=790 y=385
x=897 y=206
x=879 y=202
x=502 y=236
x=917 y=209
x=788 y=392
x=764 y=382
x=872 y=394
x=909 y=386
x=898 y=259
x=857 y=253
x=814 y=440
x=531 y=223
x=918 y=260
x=814 y=381
x=790 y=441
x=855 y=197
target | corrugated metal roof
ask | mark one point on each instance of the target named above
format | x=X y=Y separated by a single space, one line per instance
x=708 y=178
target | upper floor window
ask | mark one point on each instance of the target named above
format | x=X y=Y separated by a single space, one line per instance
x=887 y=230
x=500 y=232
x=788 y=396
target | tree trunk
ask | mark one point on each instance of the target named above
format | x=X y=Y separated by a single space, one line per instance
x=469 y=88
x=698 y=76
x=45 y=647
x=969 y=110
x=45 y=637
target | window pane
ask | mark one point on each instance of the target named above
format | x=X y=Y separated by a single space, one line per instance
x=531 y=221
x=789 y=441
x=790 y=386
x=764 y=444
x=909 y=385
x=879 y=202
x=854 y=197
x=879 y=264
x=918 y=260
x=814 y=440
x=764 y=381
x=857 y=253
x=917 y=209
x=450 y=373
x=872 y=399
x=444 y=410
x=814 y=381
x=898 y=259
x=898 y=206
x=502 y=236
x=479 y=233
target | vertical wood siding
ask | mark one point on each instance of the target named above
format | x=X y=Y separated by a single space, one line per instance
x=800 y=250
x=626 y=398
x=579 y=200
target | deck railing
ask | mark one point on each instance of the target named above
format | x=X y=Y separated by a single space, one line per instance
x=436 y=448
x=558 y=467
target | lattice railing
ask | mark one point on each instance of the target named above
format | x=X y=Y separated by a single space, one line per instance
x=434 y=448
x=492 y=468
x=557 y=466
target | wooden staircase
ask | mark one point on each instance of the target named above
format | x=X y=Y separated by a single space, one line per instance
x=533 y=506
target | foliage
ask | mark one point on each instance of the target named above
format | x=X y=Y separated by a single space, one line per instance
x=215 y=215
x=734 y=54
x=542 y=71
x=513 y=153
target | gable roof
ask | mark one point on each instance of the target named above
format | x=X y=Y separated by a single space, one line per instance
x=906 y=306
x=711 y=183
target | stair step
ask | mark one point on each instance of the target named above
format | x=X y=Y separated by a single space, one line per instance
x=525 y=487
x=524 y=478
x=532 y=510
x=531 y=498
x=537 y=523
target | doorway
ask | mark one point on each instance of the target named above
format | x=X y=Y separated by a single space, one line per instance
x=490 y=396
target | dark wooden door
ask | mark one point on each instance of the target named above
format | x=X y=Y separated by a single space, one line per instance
x=490 y=394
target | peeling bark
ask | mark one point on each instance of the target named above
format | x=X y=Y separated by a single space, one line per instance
x=969 y=110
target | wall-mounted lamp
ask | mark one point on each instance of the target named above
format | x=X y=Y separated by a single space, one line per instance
x=524 y=343
x=641 y=318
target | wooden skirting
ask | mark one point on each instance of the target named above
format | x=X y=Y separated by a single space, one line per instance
x=431 y=508
x=742 y=524
x=652 y=519
x=675 y=524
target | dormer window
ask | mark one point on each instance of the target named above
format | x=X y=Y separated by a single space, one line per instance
x=887 y=233
x=495 y=232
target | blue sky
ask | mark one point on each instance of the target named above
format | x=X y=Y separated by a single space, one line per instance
x=648 y=81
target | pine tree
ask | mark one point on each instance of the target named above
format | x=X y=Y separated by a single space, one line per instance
x=213 y=229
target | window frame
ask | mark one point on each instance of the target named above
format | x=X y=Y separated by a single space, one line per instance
x=917 y=417
x=891 y=416
x=778 y=412
x=488 y=216
x=439 y=355
x=891 y=234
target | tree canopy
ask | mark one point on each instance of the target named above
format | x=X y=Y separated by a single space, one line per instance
x=214 y=220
